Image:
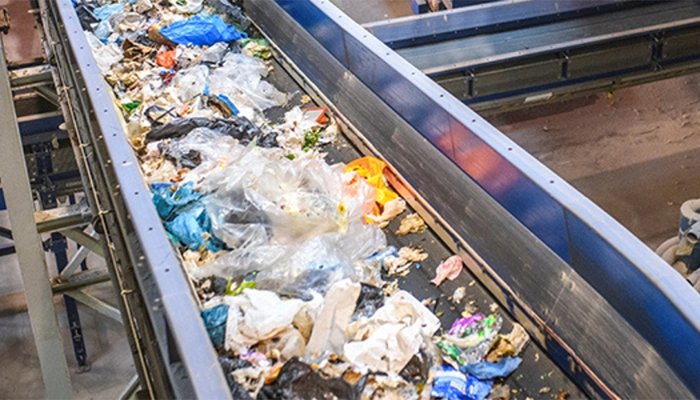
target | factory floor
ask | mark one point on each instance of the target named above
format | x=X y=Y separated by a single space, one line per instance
x=631 y=153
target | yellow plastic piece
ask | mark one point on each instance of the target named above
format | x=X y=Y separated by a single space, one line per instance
x=372 y=170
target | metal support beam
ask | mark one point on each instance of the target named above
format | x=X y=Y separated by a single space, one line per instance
x=62 y=218
x=30 y=253
x=80 y=280
x=77 y=259
x=47 y=93
x=85 y=240
x=131 y=388
x=96 y=304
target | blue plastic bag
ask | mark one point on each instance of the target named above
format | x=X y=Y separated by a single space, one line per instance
x=104 y=12
x=201 y=31
x=189 y=227
x=168 y=203
x=487 y=370
x=450 y=384
x=215 y=322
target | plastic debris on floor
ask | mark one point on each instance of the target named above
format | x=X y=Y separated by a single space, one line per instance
x=286 y=252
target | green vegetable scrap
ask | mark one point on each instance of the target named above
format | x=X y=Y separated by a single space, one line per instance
x=311 y=139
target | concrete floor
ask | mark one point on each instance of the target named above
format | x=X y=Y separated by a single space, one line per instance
x=632 y=154
x=107 y=348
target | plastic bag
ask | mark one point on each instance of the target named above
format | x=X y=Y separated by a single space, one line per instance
x=106 y=55
x=229 y=365
x=371 y=299
x=192 y=227
x=289 y=220
x=487 y=370
x=106 y=11
x=214 y=53
x=86 y=16
x=237 y=127
x=190 y=83
x=232 y=12
x=240 y=79
x=200 y=31
x=255 y=316
x=298 y=381
x=167 y=202
x=215 y=322
x=453 y=385
x=388 y=340
x=328 y=334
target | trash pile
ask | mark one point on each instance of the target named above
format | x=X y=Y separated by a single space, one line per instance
x=287 y=253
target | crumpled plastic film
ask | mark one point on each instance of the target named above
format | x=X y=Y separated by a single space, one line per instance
x=298 y=228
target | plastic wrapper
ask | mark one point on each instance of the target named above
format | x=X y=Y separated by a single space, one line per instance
x=453 y=385
x=200 y=31
x=190 y=83
x=200 y=151
x=448 y=269
x=469 y=339
x=166 y=58
x=372 y=169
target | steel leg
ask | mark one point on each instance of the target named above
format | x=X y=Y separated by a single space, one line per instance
x=59 y=247
x=37 y=289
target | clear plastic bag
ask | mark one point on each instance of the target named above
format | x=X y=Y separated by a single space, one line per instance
x=190 y=83
x=106 y=55
x=240 y=79
x=291 y=221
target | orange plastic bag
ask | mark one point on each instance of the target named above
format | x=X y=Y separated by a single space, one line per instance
x=372 y=170
x=166 y=59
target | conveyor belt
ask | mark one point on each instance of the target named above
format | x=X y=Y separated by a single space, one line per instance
x=569 y=273
x=488 y=18
x=537 y=370
x=528 y=51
